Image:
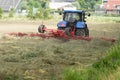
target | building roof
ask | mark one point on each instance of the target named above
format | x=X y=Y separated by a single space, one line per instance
x=6 y=5
x=111 y=4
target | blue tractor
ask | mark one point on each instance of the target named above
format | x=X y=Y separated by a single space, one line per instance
x=74 y=21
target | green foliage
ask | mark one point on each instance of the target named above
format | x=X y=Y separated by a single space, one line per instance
x=23 y=5
x=71 y=74
x=76 y=4
x=40 y=14
x=43 y=13
x=42 y=10
x=33 y=3
x=30 y=13
x=11 y=13
x=99 y=69
x=1 y=12
x=88 y=4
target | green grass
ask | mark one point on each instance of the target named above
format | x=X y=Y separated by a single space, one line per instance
x=72 y=74
x=99 y=70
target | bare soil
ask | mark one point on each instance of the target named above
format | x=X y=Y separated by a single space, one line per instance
x=6 y=27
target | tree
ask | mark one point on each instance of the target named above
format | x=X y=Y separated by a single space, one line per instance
x=76 y=4
x=88 y=4
x=23 y=5
x=38 y=9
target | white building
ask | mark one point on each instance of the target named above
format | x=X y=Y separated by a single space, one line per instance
x=63 y=5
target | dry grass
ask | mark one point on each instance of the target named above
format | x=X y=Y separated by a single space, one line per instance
x=110 y=30
x=47 y=56
x=45 y=59
x=114 y=76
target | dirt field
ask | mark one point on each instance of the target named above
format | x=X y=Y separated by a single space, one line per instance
x=33 y=58
x=6 y=27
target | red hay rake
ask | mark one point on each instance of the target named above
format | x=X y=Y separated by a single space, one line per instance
x=60 y=34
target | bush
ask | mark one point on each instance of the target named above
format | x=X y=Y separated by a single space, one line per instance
x=11 y=13
x=40 y=14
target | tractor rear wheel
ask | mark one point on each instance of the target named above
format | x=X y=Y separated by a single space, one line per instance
x=83 y=32
x=86 y=30
x=59 y=28
x=68 y=31
x=40 y=29
x=80 y=32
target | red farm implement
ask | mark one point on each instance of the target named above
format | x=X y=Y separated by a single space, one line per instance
x=73 y=26
x=58 y=34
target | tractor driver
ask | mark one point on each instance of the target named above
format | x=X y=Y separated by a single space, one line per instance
x=74 y=17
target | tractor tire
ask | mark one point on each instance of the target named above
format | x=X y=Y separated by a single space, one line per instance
x=86 y=30
x=80 y=32
x=68 y=31
x=40 y=29
x=60 y=28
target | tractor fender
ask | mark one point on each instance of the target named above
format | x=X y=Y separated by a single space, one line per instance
x=80 y=24
x=62 y=24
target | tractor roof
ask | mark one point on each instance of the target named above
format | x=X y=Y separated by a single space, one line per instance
x=73 y=11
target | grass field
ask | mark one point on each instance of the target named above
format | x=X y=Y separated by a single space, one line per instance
x=34 y=58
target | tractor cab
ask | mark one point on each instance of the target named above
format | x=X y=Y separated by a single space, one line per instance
x=74 y=21
x=72 y=16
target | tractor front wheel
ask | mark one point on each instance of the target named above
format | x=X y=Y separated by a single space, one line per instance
x=41 y=29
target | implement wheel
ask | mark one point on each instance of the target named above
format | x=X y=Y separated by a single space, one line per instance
x=41 y=29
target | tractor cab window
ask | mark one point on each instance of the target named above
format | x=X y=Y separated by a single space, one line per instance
x=72 y=17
